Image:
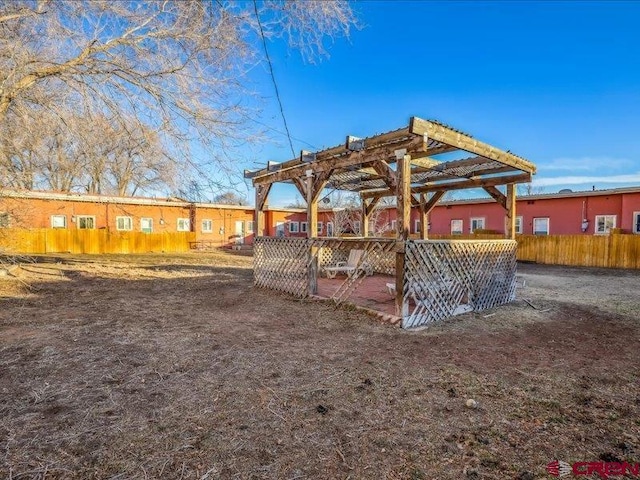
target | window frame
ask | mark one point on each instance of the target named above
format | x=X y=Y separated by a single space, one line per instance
x=320 y=227
x=249 y=227
x=635 y=225
x=394 y=225
x=519 y=224
x=142 y=229
x=330 y=228
x=124 y=218
x=64 y=217
x=357 y=227
x=82 y=217
x=456 y=232
x=416 y=225
x=184 y=221
x=596 y=231
x=477 y=219
x=548 y=221
x=202 y=225
x=304 y=227
x=280 y=229
x=291 y=225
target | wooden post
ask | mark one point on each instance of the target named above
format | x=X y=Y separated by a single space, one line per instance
x=403 y=220
x=510 y=231
x=313 y=187
x=364 y=219
x=262 y=192
x=424 y=217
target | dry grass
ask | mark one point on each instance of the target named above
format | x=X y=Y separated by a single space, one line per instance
x=175 y=367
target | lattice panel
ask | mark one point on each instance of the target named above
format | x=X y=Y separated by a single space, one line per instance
x=376 y=253
x=281 y=264
x=445 y=278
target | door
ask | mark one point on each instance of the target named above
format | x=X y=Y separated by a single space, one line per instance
x=239 y=232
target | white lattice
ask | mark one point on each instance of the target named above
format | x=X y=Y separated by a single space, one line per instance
x=281 y=264
x=444 y=278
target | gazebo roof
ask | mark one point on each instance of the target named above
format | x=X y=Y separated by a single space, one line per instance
x=367 y=166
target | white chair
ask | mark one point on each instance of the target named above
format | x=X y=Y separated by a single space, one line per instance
x=352 y=266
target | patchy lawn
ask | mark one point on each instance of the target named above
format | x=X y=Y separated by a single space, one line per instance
x=175 y=367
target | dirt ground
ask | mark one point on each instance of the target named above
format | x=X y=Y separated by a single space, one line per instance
x=175 y=367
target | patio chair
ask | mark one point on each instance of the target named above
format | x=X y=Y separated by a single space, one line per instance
x=352 y=266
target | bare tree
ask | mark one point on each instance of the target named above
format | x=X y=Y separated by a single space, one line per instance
x=176 y=68
x=230 y=198
x=529 y=189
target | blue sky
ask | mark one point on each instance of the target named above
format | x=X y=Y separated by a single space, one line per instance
x=555 y=82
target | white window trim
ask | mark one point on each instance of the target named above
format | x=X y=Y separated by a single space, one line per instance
x=304 y=227
x=457 y=232
x=393 y=224
x=294 y=227
x=184 y=221
x=548 y=225
x=150 y=223
x=59 y=216
x=124 y=229
x=249 y=226
x=280 y=229
x=202 y=226
x=330 y=228
x=475 y=219
x=416 y=226
x=519 y=224
x=78 y=217
x=635 y=228
x=605 y=232
x=320 y=227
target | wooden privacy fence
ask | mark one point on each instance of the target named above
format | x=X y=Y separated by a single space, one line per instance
x=47 y=240
x=612 y=251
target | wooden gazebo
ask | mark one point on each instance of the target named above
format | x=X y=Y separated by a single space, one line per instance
x=400 y=164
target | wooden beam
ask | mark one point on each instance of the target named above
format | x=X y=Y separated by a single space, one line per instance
x=462 y=141
x=388 y=176
x=262 y=192
x=403 y=221
x=435 y=198
x=362 y=158
x=301 y=185
x=497 y=195
x=460 y=185
x=510 y=231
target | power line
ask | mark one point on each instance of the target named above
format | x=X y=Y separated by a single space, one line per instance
x=273 y=77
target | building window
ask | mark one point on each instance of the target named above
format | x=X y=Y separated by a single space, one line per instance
x=124 y=223
x=329 y=229
x=207 y=226
x=541 y=226
x=146 y=225
x=519 y=225
x=416 y=226
x=320 y=227
x=304 y=227
x=477 y=223
x=86 y=222
x=393 y=225
x=604 y=223
x=183 y=225
x=249 y=226
x=636 y=222
x=294 y=227
x=356 y=227
x=280 y=229
x=456 y=227
x=58 y=221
